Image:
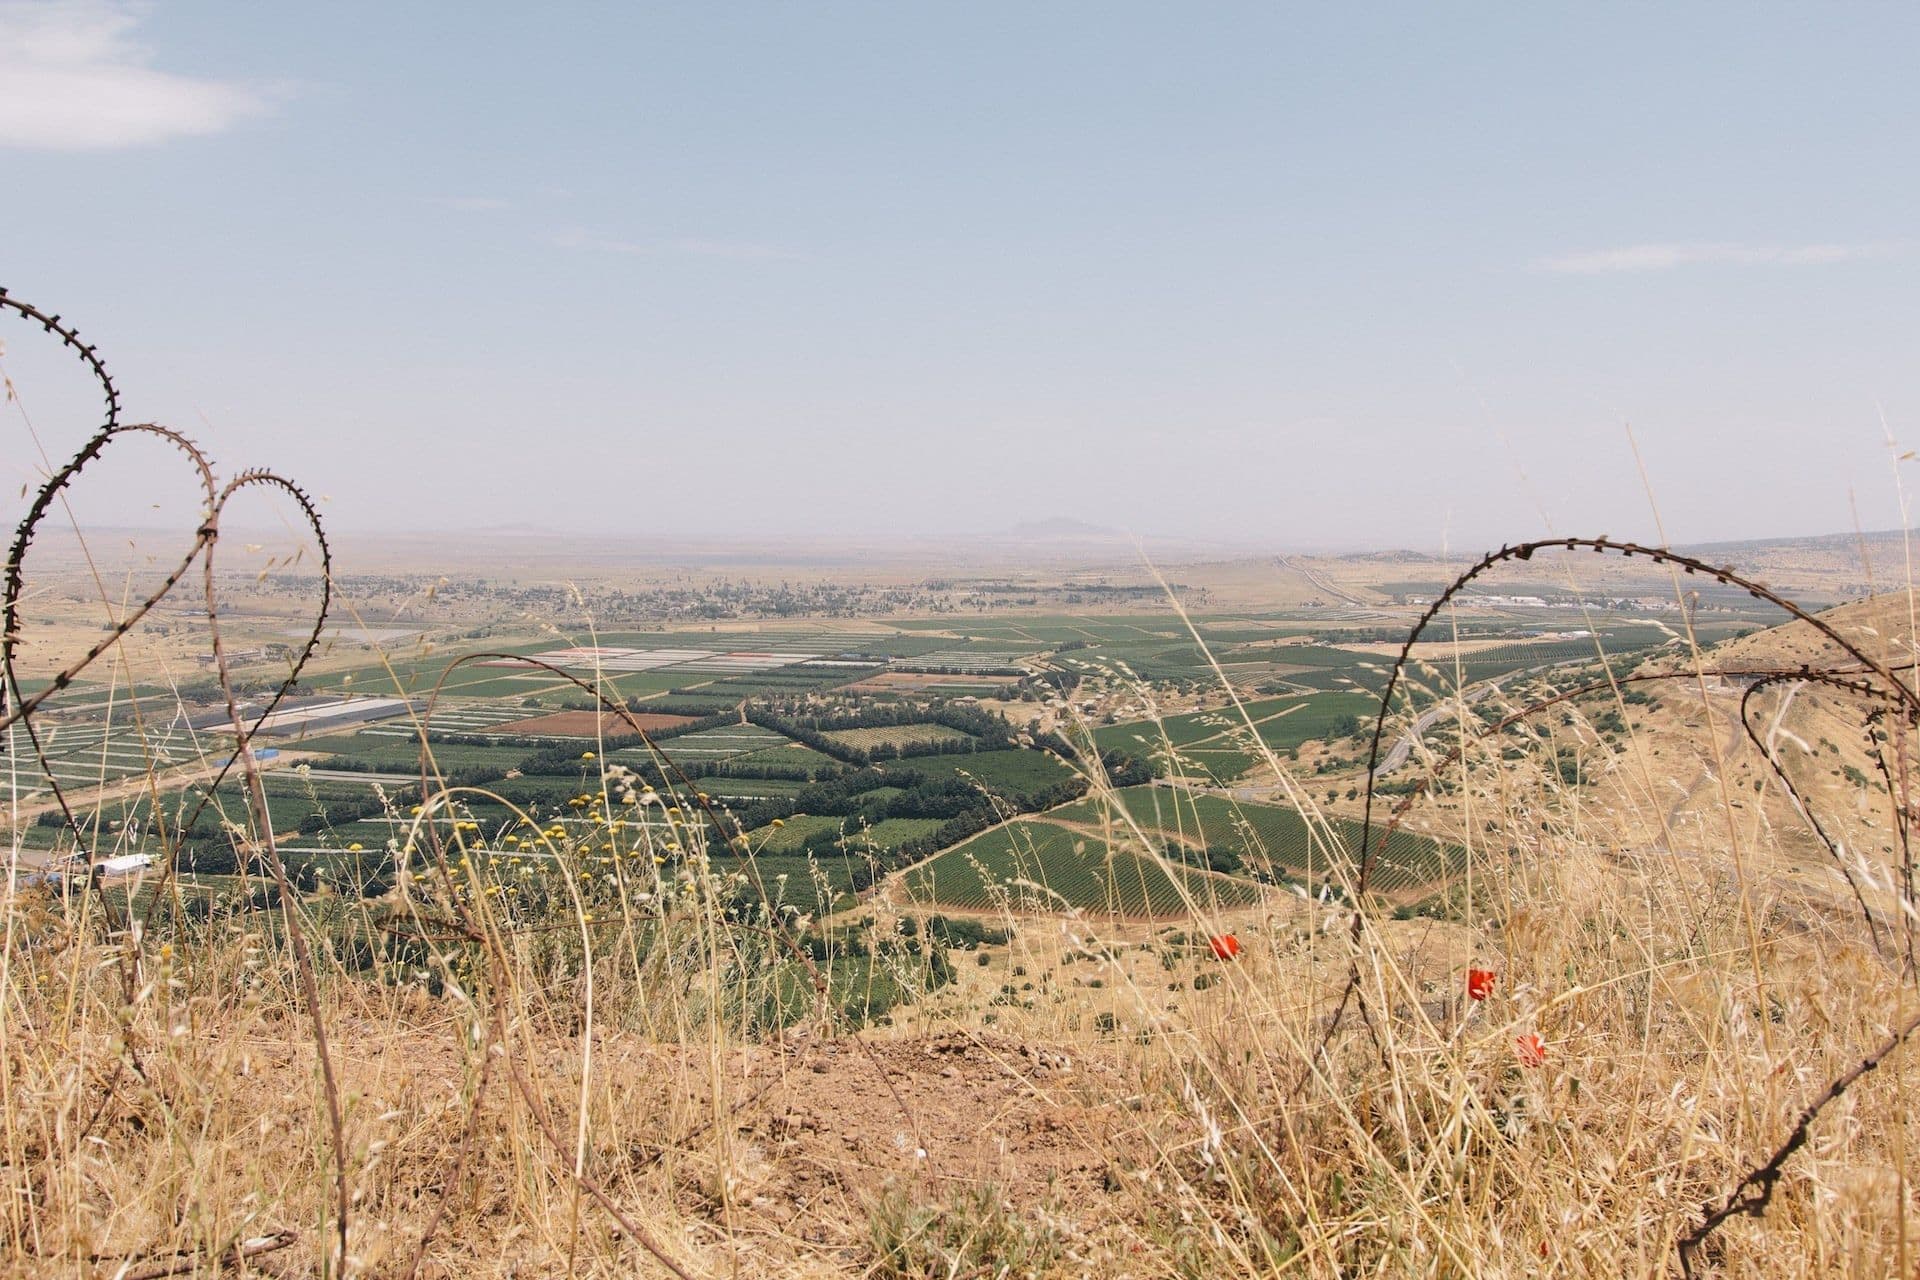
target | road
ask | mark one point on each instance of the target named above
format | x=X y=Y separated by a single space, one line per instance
x=1322 y=583
x=1397 y=756
x=1401 y=749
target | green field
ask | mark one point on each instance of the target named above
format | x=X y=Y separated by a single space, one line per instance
x=388 y=752
x=897 y=735
x=728 y=742
x=751 y=789
x=1065 y=850
x=415 y=669
x=890 y=833
x=737 y=688
x=690 y=704
x=1262 y=834
x=1042 y=630
x=886 y=835
x=792 y=755
x=802 y=885
x=1219 y=744
x=792 y=833
x=1013 y=772
x=1039 y=866
x=1506 y=659
x=302 y=811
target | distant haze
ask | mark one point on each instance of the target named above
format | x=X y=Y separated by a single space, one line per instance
x=1241 y=275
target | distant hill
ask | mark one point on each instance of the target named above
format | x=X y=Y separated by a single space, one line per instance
x=1844 y=542
x=1062 y=529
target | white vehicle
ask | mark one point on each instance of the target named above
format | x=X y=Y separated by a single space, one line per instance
x=77 y=866
x=124 y=865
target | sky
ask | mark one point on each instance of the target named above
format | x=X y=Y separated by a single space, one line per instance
x=1266 y=275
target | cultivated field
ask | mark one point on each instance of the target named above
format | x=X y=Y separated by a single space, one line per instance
x=1027 y=867
x=904 y=735
x=591 y=724
x=1033 y=958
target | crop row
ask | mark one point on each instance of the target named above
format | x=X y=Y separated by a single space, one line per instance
x=1040 y=866
x=1262 y=834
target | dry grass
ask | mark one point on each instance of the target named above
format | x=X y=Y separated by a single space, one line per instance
x=594 y=1056
x=540 y=1092
x=600 y=1052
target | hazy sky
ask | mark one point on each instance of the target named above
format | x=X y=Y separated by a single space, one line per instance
x=1289 y=274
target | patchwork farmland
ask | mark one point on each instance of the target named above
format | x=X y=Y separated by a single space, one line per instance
x=1037 y=866
x=528 y=747
x=896 y=736
x=1261 y=837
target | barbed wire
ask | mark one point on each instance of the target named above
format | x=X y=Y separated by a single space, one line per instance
x=1866 y=678
x=16 y=707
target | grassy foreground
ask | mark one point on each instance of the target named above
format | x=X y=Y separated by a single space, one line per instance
x=1625 y=1034
x=614 y=1062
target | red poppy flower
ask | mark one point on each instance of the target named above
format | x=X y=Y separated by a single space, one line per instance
x=1531 y=1050
x=1480 y=983
x=1224 y=946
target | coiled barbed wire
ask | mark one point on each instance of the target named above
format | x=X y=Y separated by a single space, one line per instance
x=1866 y=679
x=18 y=707
x=1869 y=680
x=1364 y=853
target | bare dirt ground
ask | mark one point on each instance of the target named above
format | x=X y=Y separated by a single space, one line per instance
x=776 y=1154
x=838 y=1122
